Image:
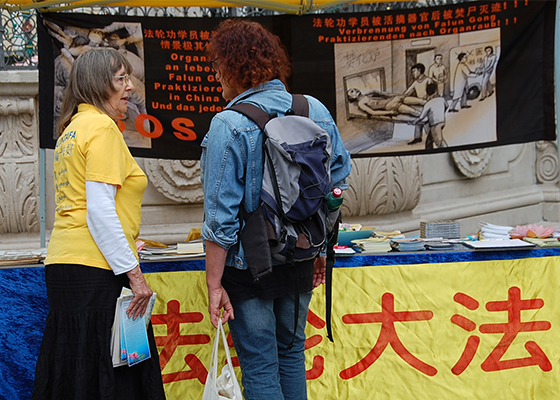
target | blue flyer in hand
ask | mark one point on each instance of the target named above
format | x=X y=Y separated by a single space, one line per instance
x=135 y=337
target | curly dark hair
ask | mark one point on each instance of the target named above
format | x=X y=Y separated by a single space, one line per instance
x=248 y=54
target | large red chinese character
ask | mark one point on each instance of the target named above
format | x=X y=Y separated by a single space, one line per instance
x=173 y=319
x=234 y=359
x=468 y=325
x=388 y=335
x=514 y=305
x=318 y=361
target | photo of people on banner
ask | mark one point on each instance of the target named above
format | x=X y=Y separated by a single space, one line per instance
x=419 y=93
x=398 y=82
x=124 y=37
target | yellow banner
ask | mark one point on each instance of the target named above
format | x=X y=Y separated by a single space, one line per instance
x=474 y=330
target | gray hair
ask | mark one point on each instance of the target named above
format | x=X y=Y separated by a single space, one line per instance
x=91 y=82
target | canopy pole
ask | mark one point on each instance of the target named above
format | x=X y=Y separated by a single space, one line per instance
x=269 y=5
x=329 y=4
x=88 y=3
x=42 y=196
x=31 y=6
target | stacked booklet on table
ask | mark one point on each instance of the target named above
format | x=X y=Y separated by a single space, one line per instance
x=374 y=245
x=129 y=337
x=411 y=244
x=193 y=249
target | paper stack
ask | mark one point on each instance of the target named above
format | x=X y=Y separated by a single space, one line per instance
x=546 y=242
x=396 y=234
x=440 y=229
x=412 y=244
x=490 y=231
x=373 y=245
x=190 y=248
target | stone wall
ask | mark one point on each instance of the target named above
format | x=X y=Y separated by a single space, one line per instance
x=509 y=185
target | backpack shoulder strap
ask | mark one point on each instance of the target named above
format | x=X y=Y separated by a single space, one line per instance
x=300 y=105
x=258 y=115
x=331 y=241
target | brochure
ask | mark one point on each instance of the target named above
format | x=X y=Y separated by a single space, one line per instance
x=134 y=338
x=129 y=338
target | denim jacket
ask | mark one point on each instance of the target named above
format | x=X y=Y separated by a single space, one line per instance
x=232 y=166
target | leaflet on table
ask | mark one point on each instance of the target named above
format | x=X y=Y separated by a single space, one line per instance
x=499 y=244
x=543 y=242
x=120 y=350
x=343 y=250
x=192 y=249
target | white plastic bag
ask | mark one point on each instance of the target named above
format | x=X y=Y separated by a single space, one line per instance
x=225 y=386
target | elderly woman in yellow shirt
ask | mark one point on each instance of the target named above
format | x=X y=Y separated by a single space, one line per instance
x=92 y=252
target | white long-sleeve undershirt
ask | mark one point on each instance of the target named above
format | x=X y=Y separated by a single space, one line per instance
x=105 y=227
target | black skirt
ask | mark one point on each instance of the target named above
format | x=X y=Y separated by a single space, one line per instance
x=75 y=361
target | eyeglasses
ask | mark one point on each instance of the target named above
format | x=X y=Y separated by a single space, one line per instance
x=123 y=79
x=213 y=63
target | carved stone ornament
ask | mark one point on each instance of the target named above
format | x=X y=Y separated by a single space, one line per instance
x=18 y=198
x=178 y=180
x=13 y=106
x=16 y=129
x=547 y=162
x=472 y=163
x=383 y=185
x=19 y=193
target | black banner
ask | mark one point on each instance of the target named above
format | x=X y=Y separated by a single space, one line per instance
x=399 y=82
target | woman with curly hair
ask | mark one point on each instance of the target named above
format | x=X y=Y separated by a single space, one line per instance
x=252 y=67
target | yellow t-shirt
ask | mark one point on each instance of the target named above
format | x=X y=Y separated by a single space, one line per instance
x=92 y=148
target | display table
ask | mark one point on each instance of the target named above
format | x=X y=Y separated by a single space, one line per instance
x=458 y=324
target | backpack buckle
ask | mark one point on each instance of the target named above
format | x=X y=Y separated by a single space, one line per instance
x=283 y=234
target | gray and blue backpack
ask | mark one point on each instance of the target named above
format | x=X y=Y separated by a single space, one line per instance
x=292 y=222
x=296 y=178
